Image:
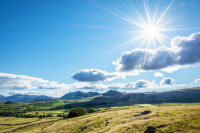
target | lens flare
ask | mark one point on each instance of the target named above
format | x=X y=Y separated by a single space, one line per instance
x=151 y=27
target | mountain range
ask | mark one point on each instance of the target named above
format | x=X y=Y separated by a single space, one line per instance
x=112 y=97
x=115 y=98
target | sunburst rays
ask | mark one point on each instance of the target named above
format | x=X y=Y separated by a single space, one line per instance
x=150 y=28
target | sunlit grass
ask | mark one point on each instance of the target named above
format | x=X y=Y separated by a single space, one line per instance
x=176 y=118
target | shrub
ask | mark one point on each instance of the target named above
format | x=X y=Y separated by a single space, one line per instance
x=91 y=110
x=75 y=112
x=9 y=102
x=65 y=116
x=42 y=116
x=36 y=113
x=59 y=115
x=49 y=115
x=29 y=116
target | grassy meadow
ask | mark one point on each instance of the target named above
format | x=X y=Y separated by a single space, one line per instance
x=165 y=118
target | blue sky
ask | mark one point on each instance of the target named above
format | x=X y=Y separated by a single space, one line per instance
x=54 y=41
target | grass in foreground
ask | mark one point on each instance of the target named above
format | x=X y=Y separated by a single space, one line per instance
x=165 y=118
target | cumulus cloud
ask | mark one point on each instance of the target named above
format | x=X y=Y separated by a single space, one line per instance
x=166 y=81
x=54 y=85
x=158 y=74
x=12 y=81
x=115 y=86
x=130 y=86
x=184 y=51
x=92 y=75
x=20 y=82
x=140 y=84
x=197 y=81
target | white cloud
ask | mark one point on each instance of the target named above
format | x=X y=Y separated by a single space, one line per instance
x=88 y=86
x=115 y=86
x=167 y=81
x=158 y=74
x=140 y=84
x=197 y=81
x=94 y=75
x=184 y=51
x=30 y=85
x=12 y=81
x=54 y=85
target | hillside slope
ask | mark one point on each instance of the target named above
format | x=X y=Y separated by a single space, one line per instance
x=164 y=119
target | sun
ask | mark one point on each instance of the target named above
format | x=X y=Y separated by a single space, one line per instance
x=151 y=31
x=151 y=27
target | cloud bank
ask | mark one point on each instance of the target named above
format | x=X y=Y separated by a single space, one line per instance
x=31 y=85
x=183 y=51
x=140 y=84
x=17 y=82
x=93 y=75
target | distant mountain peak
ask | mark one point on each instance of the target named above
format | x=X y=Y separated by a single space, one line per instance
x=112 y=93
x=25 y=98
x=78 y=95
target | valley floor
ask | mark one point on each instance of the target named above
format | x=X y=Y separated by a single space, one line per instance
x=163 y=119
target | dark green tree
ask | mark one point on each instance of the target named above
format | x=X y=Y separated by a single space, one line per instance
x=91 y=110
x=9 y=102
x=75 y=112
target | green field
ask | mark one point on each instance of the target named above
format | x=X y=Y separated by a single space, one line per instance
x=165 y=118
